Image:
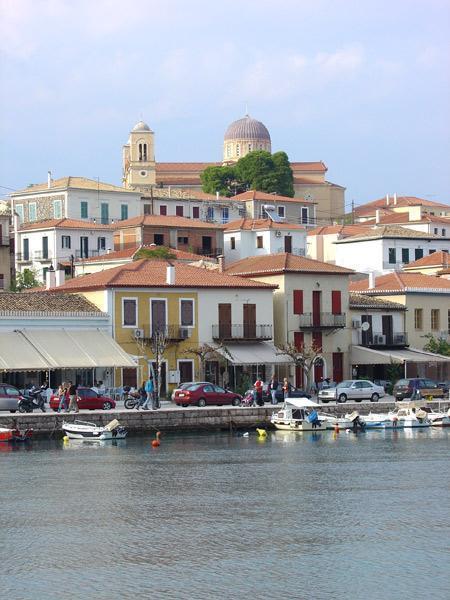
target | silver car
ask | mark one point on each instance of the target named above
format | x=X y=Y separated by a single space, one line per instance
x=352 y=389
x=9 y=397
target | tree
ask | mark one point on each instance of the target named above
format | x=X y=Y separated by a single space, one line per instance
x=303 y=356
x=206 y=352
x=158 y=343
x=24 y=281
x=158 y=252
x=257 y=170
x=436 y=345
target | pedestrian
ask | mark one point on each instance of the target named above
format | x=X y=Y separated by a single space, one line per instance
x=142 y=396
x=258 y=388
x=286 y=388
x=63 y=396
x=149 y=390
x=273 y=387
x=73 y=397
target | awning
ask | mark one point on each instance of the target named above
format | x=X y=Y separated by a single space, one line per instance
x=43 y=349
x=17 y=354
x=368 y=356
x=257 y=353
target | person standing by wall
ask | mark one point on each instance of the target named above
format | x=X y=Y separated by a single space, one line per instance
x=149 y=390
x=73 y=404
x=273 y=386
x=63 y=395
x=258 y=387
x=286 y=388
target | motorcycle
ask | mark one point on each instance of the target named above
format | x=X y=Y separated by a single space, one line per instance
x=33 y=399
x=133 y=400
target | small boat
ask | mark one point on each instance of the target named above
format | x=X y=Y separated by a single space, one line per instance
x=299 y=414
x=437 y=418
x=15 y=435
x=408 y=415
x=82 y=430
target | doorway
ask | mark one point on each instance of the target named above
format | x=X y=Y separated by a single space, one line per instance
x=288 y=243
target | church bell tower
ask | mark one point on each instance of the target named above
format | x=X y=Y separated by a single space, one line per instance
x=138 y=158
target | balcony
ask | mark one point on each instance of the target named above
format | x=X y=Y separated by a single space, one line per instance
x=321 y=321
x=173 y=333
x=383 y=340
x=23 y=258
x=41 y=256
x=80 y=254
x=242 y=332
x=209 y=252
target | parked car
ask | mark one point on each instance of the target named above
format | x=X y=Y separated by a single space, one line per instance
x=294 y=393
x=352 y=389
x=185 y=385
x=88 y=399
x=9 y=397
x=445 y=385
x=404 y=388
x=201 y=394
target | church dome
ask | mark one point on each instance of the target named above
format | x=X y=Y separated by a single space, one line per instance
x=141 y=126
x=247 y=129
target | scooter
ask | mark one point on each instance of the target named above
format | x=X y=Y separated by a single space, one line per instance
x=133 y=400
x=33 y=399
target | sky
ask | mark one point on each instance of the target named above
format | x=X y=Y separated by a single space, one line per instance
x=362 y=85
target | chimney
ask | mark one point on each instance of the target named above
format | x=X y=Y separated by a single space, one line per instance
x=395 y=198
x=377 y=216
x=49 y=179
x=170 y=275
x=50 y=279
x=371 y=280
x=60 y=277
x=221 y=261
x=217 y=195
x=387 y=199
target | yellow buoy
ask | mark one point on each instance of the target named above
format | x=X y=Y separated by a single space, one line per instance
x=261 y=432
x=66 y=438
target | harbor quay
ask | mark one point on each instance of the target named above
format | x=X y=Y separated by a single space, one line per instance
x=172 y=419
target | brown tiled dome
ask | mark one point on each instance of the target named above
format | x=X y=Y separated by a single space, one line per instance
x=247 y=129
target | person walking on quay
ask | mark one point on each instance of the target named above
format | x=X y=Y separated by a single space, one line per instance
x=287 y=387
x=258 y=387
x=273 y=386
x=142 y=396
x=149 y=390
x=73 y=397
x=63 y=395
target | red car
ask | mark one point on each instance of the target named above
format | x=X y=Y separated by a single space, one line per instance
x=88 y=399
x=201 y=394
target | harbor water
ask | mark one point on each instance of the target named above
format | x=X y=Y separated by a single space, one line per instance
x=307 y=516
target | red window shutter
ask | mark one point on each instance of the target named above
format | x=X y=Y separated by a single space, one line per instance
x=196 y=212
x=298 y=302
x=336 y=307
x=163 y=210
x=299 y=339
x=179 y=211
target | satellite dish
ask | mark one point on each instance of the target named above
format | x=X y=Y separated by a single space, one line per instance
x=365 y=326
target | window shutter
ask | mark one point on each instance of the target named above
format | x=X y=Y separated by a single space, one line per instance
x=299 y=340
x=298 y=302
x=187 y=313
x=336 y=307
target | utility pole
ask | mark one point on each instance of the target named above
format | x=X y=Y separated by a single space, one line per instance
x=353 y=212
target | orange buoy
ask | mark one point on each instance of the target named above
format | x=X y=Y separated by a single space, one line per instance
x=336 y=427
x=156 y=442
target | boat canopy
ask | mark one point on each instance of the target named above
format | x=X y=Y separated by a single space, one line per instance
x=301 y=402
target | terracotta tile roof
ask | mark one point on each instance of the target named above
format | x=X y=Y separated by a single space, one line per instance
x=401 y=201
x=436 y=259
x=63 y=224
x=128 y=253
x=389 y=232
x=269 y=198
x=44 y=301
x=184 y=166
x=165 y=221
x=364 y=302
x=145 y=273
x=401 y=282
x=396 y=217
x=282 y=263
x=73 y=182
x=342 y=230
x=309 y=166
x=257 y=224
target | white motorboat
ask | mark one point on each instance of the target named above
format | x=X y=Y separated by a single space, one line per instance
x=83 y=430
x=437 y=418
x=408 y=415
x=299 y=414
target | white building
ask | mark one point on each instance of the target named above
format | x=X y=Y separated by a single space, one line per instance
x=54 y=242
x=249 y=237
x=386 y=248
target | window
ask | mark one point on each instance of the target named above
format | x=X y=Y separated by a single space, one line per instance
x=19 y=210
x=435 y=319
x=129 y=312
x=249 y=147
x=336 y=305
x=405 y=255
x=101 y=243
x=26 y=249
x=443 y=232
x=142 y=152
x=179 y=211
x=84 y=246
x=225 y=214
x=392 y=256
x=431 y=251
x=183 y=240
x=233 y=243
x=304 y=217
x=186 y=313
x=147 y=209
x=281 y=211
x=238 y=149
x=259 y=241
x=196 y=212
x=123 y=212
x=298 y=302
x=418 y=253
x=418 y=318
x=2 y=281
x=45 y=247
x=158 y=239
x=210 y=213
x=65 y=241
x=435 y=231
x=32 y=211
x=163 y=209
x=104 y=213
x=57 y=209
x=228 y=150
x=83 y=209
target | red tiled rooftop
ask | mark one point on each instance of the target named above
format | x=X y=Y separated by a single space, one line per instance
x=436 y=259
x=401 y=201
x=341 y=230
x=401 y=282
x=165 y=221
x=253 y=224
x=270 y=198
x=128 y=253
x=63 y=224
x=282 y=263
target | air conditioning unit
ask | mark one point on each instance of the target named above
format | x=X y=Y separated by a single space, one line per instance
x=443 y=334
x=268 y=207
x=356 y=324
x=185 y=333
x=138 y=334
x=399 y=338
x=277 y=233
x=379 y=339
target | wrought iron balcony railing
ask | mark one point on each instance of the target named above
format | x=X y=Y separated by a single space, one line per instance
x=369 y=339
x=245 y=331
x=321 y=320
